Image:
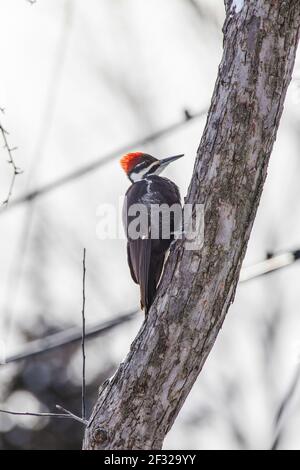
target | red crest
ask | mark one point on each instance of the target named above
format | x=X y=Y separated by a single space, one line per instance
x=129 y=161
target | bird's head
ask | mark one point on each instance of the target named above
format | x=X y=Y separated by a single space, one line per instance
x=138 y=165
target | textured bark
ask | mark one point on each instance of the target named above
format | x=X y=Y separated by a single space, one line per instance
x=138 y=406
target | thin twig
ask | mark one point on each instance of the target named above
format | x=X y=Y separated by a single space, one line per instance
x=83 y=336
x=25 y=413
x=283 y=408
x=16 y=170
x=92 y=166
x=66 y=414
x=69 y=413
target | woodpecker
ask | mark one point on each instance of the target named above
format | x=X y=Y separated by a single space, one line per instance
x=145 y=254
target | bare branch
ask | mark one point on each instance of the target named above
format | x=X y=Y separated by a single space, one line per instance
x=273 y=263
x=71 y=415
x=283 y=408
x=26 y=413
x=66 y=337
x=66 y=414
x=16 y=170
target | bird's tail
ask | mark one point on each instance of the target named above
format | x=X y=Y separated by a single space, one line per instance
x=148 y=292
x=149 y=289
x=147 y=286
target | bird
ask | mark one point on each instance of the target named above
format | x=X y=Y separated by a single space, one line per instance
x=146 y=252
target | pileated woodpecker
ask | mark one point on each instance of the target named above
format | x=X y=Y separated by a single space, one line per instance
x=146 y=254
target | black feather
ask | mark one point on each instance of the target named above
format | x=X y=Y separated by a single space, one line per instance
x=146 y=255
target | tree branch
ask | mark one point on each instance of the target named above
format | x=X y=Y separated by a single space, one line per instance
x=138 y=406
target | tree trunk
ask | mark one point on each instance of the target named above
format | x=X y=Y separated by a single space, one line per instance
x=138 y=406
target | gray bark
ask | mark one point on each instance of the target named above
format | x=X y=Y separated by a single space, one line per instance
x=138 y=406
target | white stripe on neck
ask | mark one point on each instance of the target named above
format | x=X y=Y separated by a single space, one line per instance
x=139 y=175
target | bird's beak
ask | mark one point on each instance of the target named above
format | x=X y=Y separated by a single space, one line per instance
x=165 y=161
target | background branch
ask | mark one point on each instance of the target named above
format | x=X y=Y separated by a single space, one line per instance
x=72 y=335
x=66 y=337
x=103 y=160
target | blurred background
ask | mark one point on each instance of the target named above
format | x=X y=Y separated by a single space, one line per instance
x=81 y=80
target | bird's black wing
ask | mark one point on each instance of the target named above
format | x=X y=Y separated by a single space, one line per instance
x=139 y=258
x=132 y=271
x=139 y=249
x=146 y=256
